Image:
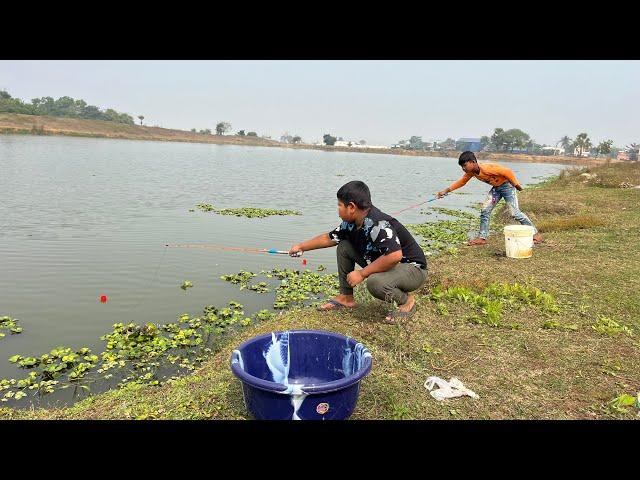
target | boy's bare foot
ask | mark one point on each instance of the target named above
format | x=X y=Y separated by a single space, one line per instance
x=341 y=301
x=405 y=310
x=477 y=241
x=537 y=238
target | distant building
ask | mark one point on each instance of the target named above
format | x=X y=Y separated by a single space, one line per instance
x=576 y=153
x=622 y=156
x=346 y=143
x=552 y=151
x=471 y=144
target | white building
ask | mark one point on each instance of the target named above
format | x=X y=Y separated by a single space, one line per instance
x=553 y=150
x=344 y=143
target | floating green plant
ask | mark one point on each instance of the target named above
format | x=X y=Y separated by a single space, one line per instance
x=296 y=288
x=186 y=284
x=456 y=213
x=442 y=235
x=10 y=324
x=140 y=354
x=249 y=212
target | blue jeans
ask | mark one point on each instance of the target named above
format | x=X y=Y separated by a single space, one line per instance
x=508 y=192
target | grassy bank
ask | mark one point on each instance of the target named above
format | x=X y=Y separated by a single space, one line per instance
x=563 y=356
x=13 y=123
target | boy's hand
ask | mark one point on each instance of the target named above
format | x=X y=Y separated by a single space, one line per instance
x=355 y=277
x=519 y=188
x=441 y=193
x=295 y=251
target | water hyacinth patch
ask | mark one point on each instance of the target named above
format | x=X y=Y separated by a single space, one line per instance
x=248 y=212
x=186 y=284
x=296 y=288
x=139 y=354
x=455 y=213
x=9 y=324
x=443 y=234
x=242 y=278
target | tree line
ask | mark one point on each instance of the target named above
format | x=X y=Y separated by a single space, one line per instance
x=221 y=129
x=515 y=140
x=62 y=107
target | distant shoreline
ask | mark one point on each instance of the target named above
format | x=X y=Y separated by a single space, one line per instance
x=13 y=123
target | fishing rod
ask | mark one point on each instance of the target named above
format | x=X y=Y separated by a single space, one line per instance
x=272 y=251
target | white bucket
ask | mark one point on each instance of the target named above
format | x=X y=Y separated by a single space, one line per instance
x=518 y=241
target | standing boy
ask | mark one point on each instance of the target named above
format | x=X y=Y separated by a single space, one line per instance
x=504 y=184
x=392 y=262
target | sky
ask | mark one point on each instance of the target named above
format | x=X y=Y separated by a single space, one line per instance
x=379 y=101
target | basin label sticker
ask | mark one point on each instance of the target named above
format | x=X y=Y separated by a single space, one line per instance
x=322 y=408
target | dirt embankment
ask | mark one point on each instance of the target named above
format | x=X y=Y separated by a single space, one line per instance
x=41 y=125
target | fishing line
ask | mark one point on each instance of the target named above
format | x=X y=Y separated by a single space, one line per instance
x=416 y=205
x=155 y=277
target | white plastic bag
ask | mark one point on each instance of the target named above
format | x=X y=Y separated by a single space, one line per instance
x=451 y=389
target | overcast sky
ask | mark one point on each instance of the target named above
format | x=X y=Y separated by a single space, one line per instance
x=377 y=101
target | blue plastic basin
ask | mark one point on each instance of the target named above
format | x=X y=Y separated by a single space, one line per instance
x=301 y=374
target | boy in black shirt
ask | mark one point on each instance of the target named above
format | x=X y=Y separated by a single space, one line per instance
x=391 y=260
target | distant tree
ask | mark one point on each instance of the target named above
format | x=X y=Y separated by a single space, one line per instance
x=484 y=142
x=565 y=142
x=194 y=130
x=415 y=143
x=498 y=139
x=448 y=144
x=4 y=95
x=286 y=138
x=252 y=134
x=296 y=139
x=241 y=133
x=140 y=117
x=340 y=139
x=516 y=138
x=604 y=147
x=362 y=142
x=328 y=139
x=222 y=128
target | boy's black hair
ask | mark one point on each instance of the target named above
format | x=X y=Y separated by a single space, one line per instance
x=467 y=157
x=356 y=192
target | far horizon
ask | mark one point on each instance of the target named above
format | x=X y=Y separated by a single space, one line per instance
x=380 y=102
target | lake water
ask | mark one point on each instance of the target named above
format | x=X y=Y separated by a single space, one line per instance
x=81 y=218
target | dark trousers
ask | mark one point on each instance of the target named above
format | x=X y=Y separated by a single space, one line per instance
x=392 y=285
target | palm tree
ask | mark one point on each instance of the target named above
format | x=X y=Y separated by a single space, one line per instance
x=566 y=144
x=141 y=117
x=582 y=143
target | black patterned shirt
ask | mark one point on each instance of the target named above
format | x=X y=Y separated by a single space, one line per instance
x=380 y=234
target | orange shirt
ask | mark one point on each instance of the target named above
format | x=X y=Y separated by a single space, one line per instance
x=490 y=173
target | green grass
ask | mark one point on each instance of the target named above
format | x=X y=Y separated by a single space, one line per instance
x=575 y=355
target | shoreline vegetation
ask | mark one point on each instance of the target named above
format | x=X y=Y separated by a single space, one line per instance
x=14 y=123
x=554 y=336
